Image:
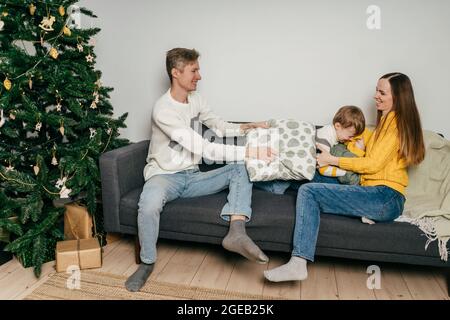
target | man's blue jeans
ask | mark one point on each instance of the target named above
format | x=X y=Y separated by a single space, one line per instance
x=325 y=194
x=160 y=189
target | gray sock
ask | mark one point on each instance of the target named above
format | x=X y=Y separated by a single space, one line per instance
x=294 y=270
x=238 y=241
x=137 y=280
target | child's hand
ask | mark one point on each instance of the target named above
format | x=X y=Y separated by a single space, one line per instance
x=360 y=144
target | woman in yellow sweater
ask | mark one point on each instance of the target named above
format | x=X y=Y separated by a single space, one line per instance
x=396 y=143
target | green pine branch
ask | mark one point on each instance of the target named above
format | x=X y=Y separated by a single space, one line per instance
x=52 y=133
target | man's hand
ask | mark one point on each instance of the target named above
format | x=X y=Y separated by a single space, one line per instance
x=245 y=127
x=360 y=144
x=325 y=158
x=261 y=153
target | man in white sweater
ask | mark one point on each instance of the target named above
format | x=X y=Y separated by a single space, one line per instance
x=172 y=164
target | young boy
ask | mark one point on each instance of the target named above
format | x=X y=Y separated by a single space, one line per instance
x=345 y=137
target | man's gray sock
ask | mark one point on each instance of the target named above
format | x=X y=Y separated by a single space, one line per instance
x=137 y=280
x=238 y=241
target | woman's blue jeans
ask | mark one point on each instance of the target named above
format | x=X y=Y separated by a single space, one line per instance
x=325 y=194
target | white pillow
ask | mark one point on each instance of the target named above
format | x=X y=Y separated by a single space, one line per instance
x=294 y=141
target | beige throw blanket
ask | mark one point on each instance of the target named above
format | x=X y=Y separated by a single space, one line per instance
x=428 y=193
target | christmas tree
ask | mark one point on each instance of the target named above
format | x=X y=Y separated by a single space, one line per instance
x=55 y=122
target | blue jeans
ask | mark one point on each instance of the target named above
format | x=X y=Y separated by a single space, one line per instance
x=275 y=186
x=326 y=194
x=379 y=203
x=280 y=186
x=160 y=189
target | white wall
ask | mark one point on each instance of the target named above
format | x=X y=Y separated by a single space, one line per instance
x=266 y=59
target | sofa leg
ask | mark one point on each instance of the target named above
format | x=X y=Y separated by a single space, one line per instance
x=137 y=250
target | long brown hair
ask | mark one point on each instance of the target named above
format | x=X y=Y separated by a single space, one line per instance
x=412 y=147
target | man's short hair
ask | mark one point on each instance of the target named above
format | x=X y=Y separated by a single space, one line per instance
x=351 y=116
x=178 y=58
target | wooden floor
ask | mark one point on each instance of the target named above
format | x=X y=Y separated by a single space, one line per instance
x=213 y=267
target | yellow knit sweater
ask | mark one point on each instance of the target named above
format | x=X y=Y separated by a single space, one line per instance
x=353 y=148
x=381 y=164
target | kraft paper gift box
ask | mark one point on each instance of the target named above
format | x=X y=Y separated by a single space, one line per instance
x=77 y=222
x=84 y=253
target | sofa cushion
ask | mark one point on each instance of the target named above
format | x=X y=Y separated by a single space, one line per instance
x=273 y=223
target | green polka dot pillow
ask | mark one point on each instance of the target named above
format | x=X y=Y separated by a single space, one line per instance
x=294 y=141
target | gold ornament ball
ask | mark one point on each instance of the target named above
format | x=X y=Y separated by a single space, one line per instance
x=54 y=53
x=62 y=11
x=7 y=84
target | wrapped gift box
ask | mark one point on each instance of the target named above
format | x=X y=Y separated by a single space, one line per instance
x=77 y=222
x=84 y=253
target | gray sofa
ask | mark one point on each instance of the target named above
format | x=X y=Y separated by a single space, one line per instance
x=272 y=223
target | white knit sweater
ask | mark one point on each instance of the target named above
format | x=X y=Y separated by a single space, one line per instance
x=175 y=145
x=326 y=136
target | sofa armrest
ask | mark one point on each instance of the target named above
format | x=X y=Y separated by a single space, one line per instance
x=121 y=171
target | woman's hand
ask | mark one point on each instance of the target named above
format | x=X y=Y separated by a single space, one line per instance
x=325 y=158
x=245 y=127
